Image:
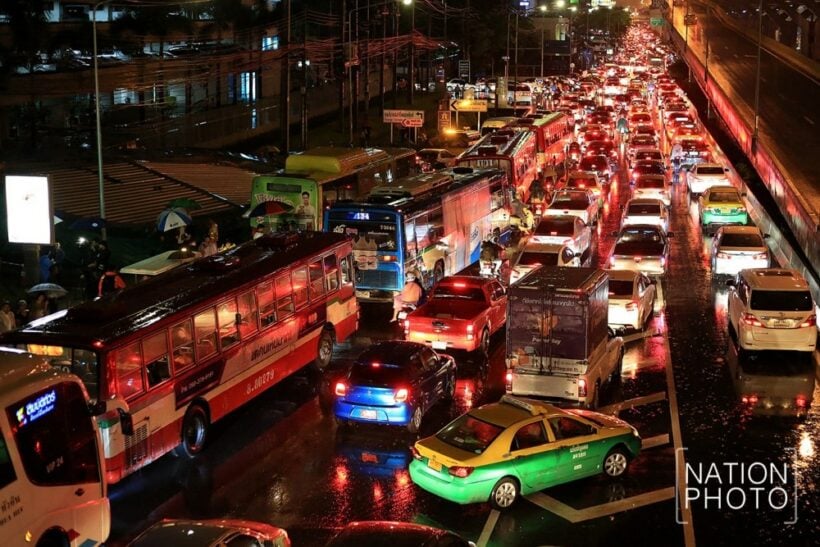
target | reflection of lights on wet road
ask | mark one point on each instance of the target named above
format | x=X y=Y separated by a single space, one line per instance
x=377 y=492
x=466 y=388
x=341 y=475
x=402 y=479
x=806 y=447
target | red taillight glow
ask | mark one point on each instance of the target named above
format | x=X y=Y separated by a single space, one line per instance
x=508 y=381
x=460 y=284
x=582 y=387
x=800 y=401
x=406 y=325
x=375 y=365
x=470 y=329
x=811 y=321
x=751 y=320
x=341 y=389
x=401 y=395
x=461 y=471
x=749 y=399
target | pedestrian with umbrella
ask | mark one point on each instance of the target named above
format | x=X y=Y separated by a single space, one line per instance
x=45 y=299
x=172 y=219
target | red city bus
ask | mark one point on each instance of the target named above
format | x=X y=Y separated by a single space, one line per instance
x=177 y=352
x=512 y=151
x=548 y=129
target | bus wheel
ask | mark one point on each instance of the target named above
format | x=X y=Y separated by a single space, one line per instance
x=325 y=350
x=194 y=432
x=54 y=538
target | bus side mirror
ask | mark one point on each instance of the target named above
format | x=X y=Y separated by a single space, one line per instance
x=126 y=422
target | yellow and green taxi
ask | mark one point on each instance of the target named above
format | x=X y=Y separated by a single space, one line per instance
x=722 y=205
x=514 y=447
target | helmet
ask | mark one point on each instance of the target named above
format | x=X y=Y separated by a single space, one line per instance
x=409 y=278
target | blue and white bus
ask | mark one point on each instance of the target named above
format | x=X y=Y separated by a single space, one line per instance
x=430 y=224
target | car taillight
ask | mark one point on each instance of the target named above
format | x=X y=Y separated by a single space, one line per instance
x=800 y=401
x=612 y=260
x=508 y=381
x=416 y=454
x=630 y=306
x=461 y=471
x=726 y=256
x=638 y=259
x=406 y=326
x=749 y=399
x=663 y=261
x=761 y=256
x=582 y=387
x=400 y=395
x=751 y=320
x=811 y=321
x=470 y=332
x=341 y=389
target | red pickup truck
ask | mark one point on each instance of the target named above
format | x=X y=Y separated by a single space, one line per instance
x=461 y=313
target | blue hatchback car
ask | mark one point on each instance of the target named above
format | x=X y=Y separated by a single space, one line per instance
x=395 y=383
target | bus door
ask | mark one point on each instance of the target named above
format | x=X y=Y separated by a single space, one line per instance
x=51 y=475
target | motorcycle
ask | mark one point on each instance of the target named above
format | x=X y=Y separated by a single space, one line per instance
x=406 y=309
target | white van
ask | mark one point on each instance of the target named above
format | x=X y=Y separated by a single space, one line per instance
x=51 y=461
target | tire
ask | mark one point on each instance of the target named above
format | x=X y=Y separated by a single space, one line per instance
x=414 y=424
x=324 y=353
x=484 y=343
x=450 y=394
x=54 y=538
x=504 y=494
x=596 y=397
x=615 y=463
x=194 y=432
x=438 y=272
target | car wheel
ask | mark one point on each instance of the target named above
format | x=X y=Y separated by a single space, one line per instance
x=415 y=421
x=484 y=344
x=54 y=538
x=616 y=463
x=194 y=432
x=504 y=494
x=325 y=351
x=450 y=393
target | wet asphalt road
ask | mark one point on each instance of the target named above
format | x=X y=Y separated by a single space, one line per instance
x=280 y=459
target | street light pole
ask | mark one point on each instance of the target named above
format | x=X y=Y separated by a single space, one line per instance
x=412 y=66
x=100 y=176
x=755 y=134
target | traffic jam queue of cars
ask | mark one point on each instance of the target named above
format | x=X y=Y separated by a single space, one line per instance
x=288 y=297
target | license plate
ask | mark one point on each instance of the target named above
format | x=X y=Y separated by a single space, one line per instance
x=782 y=323
x=433 y=464
x=367 y=457
x=369 y=414
x=439 y=345
x=362 y=294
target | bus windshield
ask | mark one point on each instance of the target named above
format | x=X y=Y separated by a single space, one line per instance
x=383 y=234
x=78 y=361
x=55 y=436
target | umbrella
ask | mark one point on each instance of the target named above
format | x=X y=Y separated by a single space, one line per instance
x=267 y=208
x=171 y=219
x=185 y=203
x=52 y=290
x=91 y=223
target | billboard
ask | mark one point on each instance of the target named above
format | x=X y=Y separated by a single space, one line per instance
x=29 y=209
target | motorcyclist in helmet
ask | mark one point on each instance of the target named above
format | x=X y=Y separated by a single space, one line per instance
x=492 y=251
x=410 y=295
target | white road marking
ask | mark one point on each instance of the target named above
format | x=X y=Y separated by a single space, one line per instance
x=597 y=511
x=487 y=531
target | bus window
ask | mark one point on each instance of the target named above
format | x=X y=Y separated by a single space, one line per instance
x=7 y=474
x=347 y=270
x=267 y=308
x=331 y=273
x=155 y=351
x=129 y=370
x=317 y=279
x=284 y=296
x=422 y=232
x=410 y=238
x=81 y=362
x=59 y=444
x=249 y=314
x=300 y=290
x=205 y=329
x=226 y=315
x=183 y=340
x=436 y=230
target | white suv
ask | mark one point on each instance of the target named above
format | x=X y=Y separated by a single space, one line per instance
x=772 y=309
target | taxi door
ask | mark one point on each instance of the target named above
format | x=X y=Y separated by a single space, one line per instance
x=533 y=456
x=577 y=446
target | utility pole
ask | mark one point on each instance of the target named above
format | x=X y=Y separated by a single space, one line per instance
x=340 y=74
x=412 y=62
x=285 y=86
x=385 y=13
x=755 y=133
x=305 y=64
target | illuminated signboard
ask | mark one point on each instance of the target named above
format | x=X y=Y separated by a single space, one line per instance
x=37 y=408
x=29 y=210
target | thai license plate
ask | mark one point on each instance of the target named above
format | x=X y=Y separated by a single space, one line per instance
x=782 y=323
x=367 y=457
x=369 y=414
x=439 y=345
x=433 y=464
x=362 y=294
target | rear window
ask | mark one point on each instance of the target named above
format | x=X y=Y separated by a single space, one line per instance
x=619 y=287
x=540 y=259
x=645 y=248
x=469 y=433
x=724 y=197
x=781 y=300
x=453 y=291
x=569 y=204
x=649 y=183
x=702 y=170
x=377 y=374
x=741 y=240
x=644 y=209
x=556 y=227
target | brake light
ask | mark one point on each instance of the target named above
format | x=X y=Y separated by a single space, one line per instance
x=638 y=259
x=416 y=454
x=459 y=284
x=388 y=258
x=811 y=321
x=470 y=329
x=461 y=471
x=751 y=320
x=406 y=325
x=582 y=387
x=400 y=395
x=800 y=401
x=749 y=399
x=508 y=381
x=341 y=389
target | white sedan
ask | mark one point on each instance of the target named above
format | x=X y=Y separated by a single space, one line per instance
x=566 y=230
x=631 y=299
x=738 y=248
x=543 y=254
x=705 y=175
x=646 y=211
x=580 y=203
x=652 y=187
